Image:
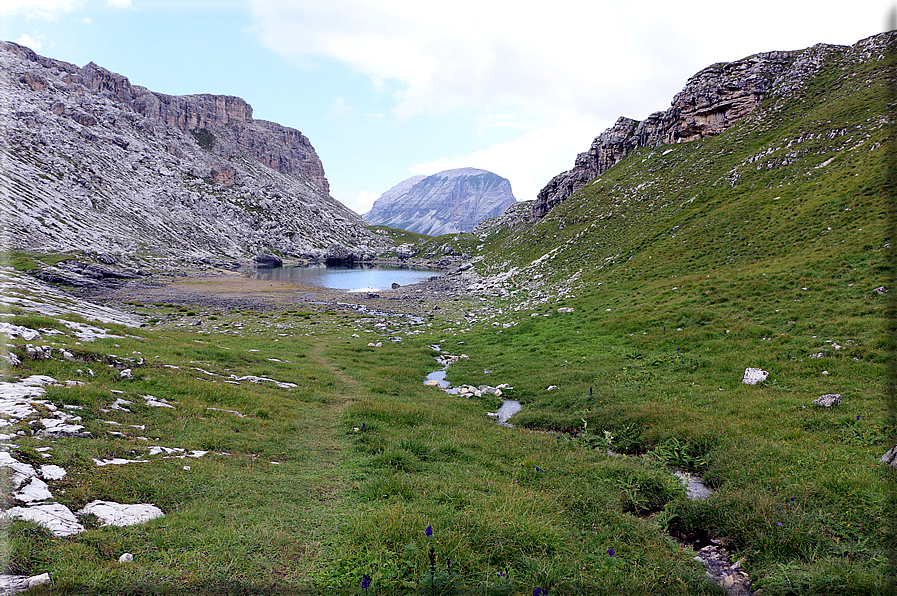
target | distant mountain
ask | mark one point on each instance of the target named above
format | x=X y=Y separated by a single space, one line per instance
x=444 y=203
x=93 y=163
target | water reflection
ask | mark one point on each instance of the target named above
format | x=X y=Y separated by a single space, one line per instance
x=358 y=278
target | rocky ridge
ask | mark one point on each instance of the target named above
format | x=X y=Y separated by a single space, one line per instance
x=445 y=203
x=711 y=101
x=94 y=163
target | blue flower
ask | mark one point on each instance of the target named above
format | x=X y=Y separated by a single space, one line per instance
x=365 y=581
x=538 y=592
x=429 y=530
x=610 y=552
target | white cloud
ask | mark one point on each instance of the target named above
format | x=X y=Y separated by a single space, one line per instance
x=118 y=4
x=43 y=9
x=558 y=73
x=363 y=202
x=531 y=160
x=87 y=21
x=592 y=57
x=32 y=42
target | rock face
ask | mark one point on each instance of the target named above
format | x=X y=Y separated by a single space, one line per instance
x=709 y=103
x=97 y=164
x=444 y=203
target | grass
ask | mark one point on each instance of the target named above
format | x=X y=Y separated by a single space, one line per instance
x=679 y=273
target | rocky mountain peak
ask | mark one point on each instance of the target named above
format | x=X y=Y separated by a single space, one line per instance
x=100 y=165
x=444 y=203
x=711 y=101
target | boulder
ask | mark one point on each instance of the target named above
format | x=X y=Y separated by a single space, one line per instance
x=828 y=400
x=890 y=457
x=752 y=376
x=266 y=260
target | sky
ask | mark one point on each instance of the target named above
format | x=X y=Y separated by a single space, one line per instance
x=388 y=89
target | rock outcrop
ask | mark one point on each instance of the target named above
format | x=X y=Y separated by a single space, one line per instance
x=96 y=164
x=444 y=203
x=711 y=101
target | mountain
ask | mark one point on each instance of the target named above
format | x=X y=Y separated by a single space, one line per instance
x=711 y=101
x=93 y=163
x=444 y=203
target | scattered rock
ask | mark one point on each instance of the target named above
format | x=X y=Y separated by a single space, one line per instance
x=828 y=400
x=117 y=514
x=890 y=457
x=551 y=388
x=57 y=518
x=752 y=376
x=125 y=558
x=126 y=374
x=565 y=309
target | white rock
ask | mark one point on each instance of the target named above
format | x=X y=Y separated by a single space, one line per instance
x=20 y=471
x=126 y=374
x=57 y=518
x=35 y=491
x=117 y=514
x=156 y=402
x=51 y=472
x=38 y=580
x=752 y=376
x=126 y=558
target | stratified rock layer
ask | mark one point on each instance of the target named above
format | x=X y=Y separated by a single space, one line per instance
x=444 y=203
x=97 y=164
x=709 y=103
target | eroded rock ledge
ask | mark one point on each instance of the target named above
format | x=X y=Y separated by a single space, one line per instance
x=711 y=101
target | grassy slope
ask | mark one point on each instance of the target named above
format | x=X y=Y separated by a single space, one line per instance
x=688 y=276
x=538 y=506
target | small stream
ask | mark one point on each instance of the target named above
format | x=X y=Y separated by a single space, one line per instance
x=508 y=407
x=710 y=552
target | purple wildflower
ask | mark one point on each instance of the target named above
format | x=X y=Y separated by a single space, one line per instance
x=610 y=552
x=365 y=581
x=429 y=530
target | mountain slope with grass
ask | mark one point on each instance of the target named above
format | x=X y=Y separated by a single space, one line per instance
x=768 y=245
x=623 y=321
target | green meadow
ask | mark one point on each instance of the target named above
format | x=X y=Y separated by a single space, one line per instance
x=766 y=246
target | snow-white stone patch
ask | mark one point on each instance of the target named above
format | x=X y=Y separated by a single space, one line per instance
x=156 y=402
x=254 y=379
x=119 y=404
x=57 y=518
x=51 y=472
x=20 y=471
x=33 y=492
x=117 y=514
x=752 y=376
x=14 y=331
x=117 y=461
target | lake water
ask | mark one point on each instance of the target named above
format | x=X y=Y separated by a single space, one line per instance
x=359 y=278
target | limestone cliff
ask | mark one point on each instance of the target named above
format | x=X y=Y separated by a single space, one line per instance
x=444 y=203
x=94 y=163
x=709 y=103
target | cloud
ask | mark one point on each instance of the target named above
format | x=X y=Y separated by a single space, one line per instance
x=532 y=72
x=43 y=9
x=118 y=4
x=32 y=42
x=530 y=160
x=363 y=202
x=87 y=21
x=596 y=57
